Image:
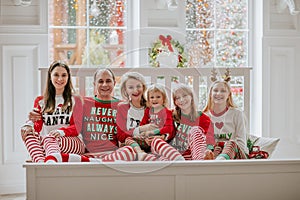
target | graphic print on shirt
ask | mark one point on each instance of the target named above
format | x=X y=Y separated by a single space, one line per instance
x=221 y=134
x=99 y=128
x=180 y=141
x=57 y=117
x=101 y=123
x=133 y=123
x=154 y=119
x=135 y=116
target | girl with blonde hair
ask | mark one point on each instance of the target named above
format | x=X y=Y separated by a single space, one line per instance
x=193 y=138
x=129 y=119
x=156 y=113
x=228 y=122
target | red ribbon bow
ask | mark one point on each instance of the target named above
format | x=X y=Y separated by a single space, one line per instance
x=166 y=41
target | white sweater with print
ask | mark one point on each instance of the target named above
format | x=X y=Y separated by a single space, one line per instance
x=230 y=126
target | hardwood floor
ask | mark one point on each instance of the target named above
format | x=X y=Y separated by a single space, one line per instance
x=13 y=197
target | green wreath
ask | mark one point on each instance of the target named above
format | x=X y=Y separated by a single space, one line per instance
x=167 y=44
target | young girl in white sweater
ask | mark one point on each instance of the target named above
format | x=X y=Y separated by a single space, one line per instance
x=229 y=122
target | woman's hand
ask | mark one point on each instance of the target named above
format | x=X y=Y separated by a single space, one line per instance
x=147 y=127
x=54 y=133
x=147 y=134
x=26 y=130
x=34 y=116
x=139 y=137
x=149 y=140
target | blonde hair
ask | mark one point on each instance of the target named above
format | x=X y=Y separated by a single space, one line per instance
x=136 y=76
x=162 y=90
x=229 y=101
x=177 y=111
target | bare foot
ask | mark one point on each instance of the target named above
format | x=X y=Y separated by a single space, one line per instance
x=209 y=155
x=141 y=155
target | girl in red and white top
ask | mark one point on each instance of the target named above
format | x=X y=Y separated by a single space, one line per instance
x=228 y=121
x=193 y=138
x=156 y=113
x=59 y=113
x=129 y=116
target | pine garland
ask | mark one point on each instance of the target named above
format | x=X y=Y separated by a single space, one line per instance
x=167 y=44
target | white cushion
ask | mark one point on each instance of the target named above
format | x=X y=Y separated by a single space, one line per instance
x=265 y=143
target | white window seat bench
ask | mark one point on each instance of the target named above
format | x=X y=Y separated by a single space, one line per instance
x=187 y=180
x=235 y=179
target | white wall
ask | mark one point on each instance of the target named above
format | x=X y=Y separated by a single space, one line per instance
x=280 y=71
x=23 y=48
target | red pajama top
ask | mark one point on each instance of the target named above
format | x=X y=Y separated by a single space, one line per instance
x=128 y=118
x=99 y=128
x=163 y=119
x=180 y=141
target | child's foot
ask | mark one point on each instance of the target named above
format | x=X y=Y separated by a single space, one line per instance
x=209 y=155
x=141 y=155
x=220 y=158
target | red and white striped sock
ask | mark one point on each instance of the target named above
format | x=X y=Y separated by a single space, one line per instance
x=71 y=145
x=125 y=153
x=35 y=150
x=68 y=157
x=197 y=143
x=166 y=151
x=232 y=151
x=50 y=145
x=152 y=157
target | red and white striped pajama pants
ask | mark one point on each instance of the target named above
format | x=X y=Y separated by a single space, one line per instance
x=228 y=150
x=125 y=153
x=39 y=147
x=196 y=144
x=162 y=151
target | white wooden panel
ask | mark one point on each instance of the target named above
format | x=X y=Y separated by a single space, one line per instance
x=249 y=186
x=155 y=14
x=12 y=179
x=280 y=22
x=280 y=93
x=19 y=76
x=236 y=179
x=281 y=97
x=280 y=116
x=29 y=19
x=162 y=190
x=20 y=57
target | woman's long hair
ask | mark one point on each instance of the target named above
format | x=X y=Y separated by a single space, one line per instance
x=229 y=102
x=50 y=91
x=177 y=111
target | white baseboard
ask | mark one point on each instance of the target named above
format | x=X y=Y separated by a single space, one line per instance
x=12 y=188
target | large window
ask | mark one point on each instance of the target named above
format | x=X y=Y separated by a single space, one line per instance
x=87 y=32
x=217 y=36
x=91 y=33
x=217 y=33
